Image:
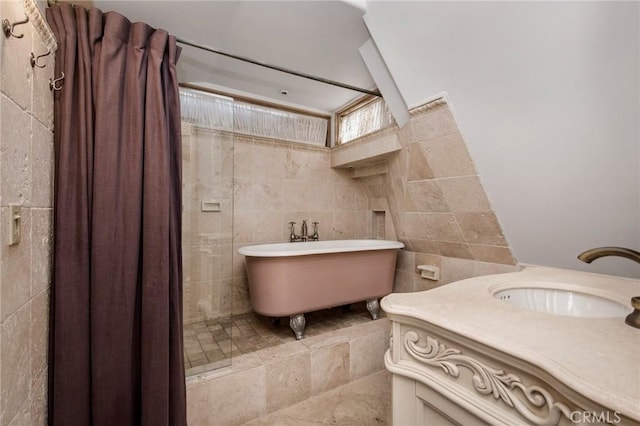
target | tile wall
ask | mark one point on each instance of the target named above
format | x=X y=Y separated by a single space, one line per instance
x=436 y=202
x=276 y=183
x=428 y=195
x=26 y=170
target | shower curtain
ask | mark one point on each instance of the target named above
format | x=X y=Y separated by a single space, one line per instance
x=116 y=299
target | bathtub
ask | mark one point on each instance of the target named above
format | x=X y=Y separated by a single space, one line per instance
x=290 y=279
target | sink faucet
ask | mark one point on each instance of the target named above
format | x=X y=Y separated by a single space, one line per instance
x=595 y=253
x=633 y=319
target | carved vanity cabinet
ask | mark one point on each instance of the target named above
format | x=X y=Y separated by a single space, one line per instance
x=440 y=378
x=458 y=359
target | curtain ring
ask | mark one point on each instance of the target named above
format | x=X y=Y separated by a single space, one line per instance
x=7 y=27
x=34 y=59
x=52 y=83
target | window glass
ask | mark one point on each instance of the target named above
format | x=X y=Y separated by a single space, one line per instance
x=223 y=113
x=362 y=119
x=258 y=120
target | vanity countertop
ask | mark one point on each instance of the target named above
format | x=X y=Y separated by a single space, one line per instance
x=597 y=357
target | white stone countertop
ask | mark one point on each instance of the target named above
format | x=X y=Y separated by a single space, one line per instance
x=597 y=357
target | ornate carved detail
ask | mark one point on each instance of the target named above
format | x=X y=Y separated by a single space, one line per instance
x=42 y=28
x=487 y=380
x=262 y=140
x=434 y=104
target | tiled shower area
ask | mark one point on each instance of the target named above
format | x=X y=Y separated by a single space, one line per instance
x=241 y=189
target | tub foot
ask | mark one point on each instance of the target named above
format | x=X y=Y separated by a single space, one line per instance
x=373 y=306
x=297 y=323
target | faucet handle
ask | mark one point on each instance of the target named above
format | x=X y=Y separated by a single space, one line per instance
x=315 y=236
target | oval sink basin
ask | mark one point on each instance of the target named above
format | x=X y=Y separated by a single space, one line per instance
x=562 y=302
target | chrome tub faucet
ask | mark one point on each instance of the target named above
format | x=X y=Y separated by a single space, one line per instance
x=314 y=236
x=293 y=237
x=588 y=256
x=304 y=232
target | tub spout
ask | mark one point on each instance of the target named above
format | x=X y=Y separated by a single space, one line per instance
x=304 y=231
x=633 y=319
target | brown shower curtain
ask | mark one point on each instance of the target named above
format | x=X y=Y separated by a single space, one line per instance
x=116 y=301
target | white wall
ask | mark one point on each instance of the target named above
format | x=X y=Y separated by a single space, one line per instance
x=547 y=96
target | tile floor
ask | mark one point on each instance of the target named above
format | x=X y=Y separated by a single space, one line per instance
x=210 y=344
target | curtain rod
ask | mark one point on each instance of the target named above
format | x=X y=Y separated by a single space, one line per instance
x=262 y=64
x=273 y=67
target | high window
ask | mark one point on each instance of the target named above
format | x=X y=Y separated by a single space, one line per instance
x=246 y=117
x=366 y=116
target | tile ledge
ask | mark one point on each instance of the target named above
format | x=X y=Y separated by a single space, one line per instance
x=254 y=360
x=370 y=152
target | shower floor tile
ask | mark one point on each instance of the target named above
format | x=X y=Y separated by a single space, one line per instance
x=210 y=344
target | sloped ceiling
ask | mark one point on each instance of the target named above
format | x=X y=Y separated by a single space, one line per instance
x=320 y=38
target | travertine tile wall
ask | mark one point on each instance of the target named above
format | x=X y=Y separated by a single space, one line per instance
x=207 y=239
x=278 y=182
x=437 y=204
x=408 y=278
x=430 y=194
x=275 y=183
x=26 y=170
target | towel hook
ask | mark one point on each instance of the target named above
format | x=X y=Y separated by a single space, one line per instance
x=53 y=85
x=34 y=59
x=7 y=27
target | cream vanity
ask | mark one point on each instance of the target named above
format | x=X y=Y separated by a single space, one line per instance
x=541 y=346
